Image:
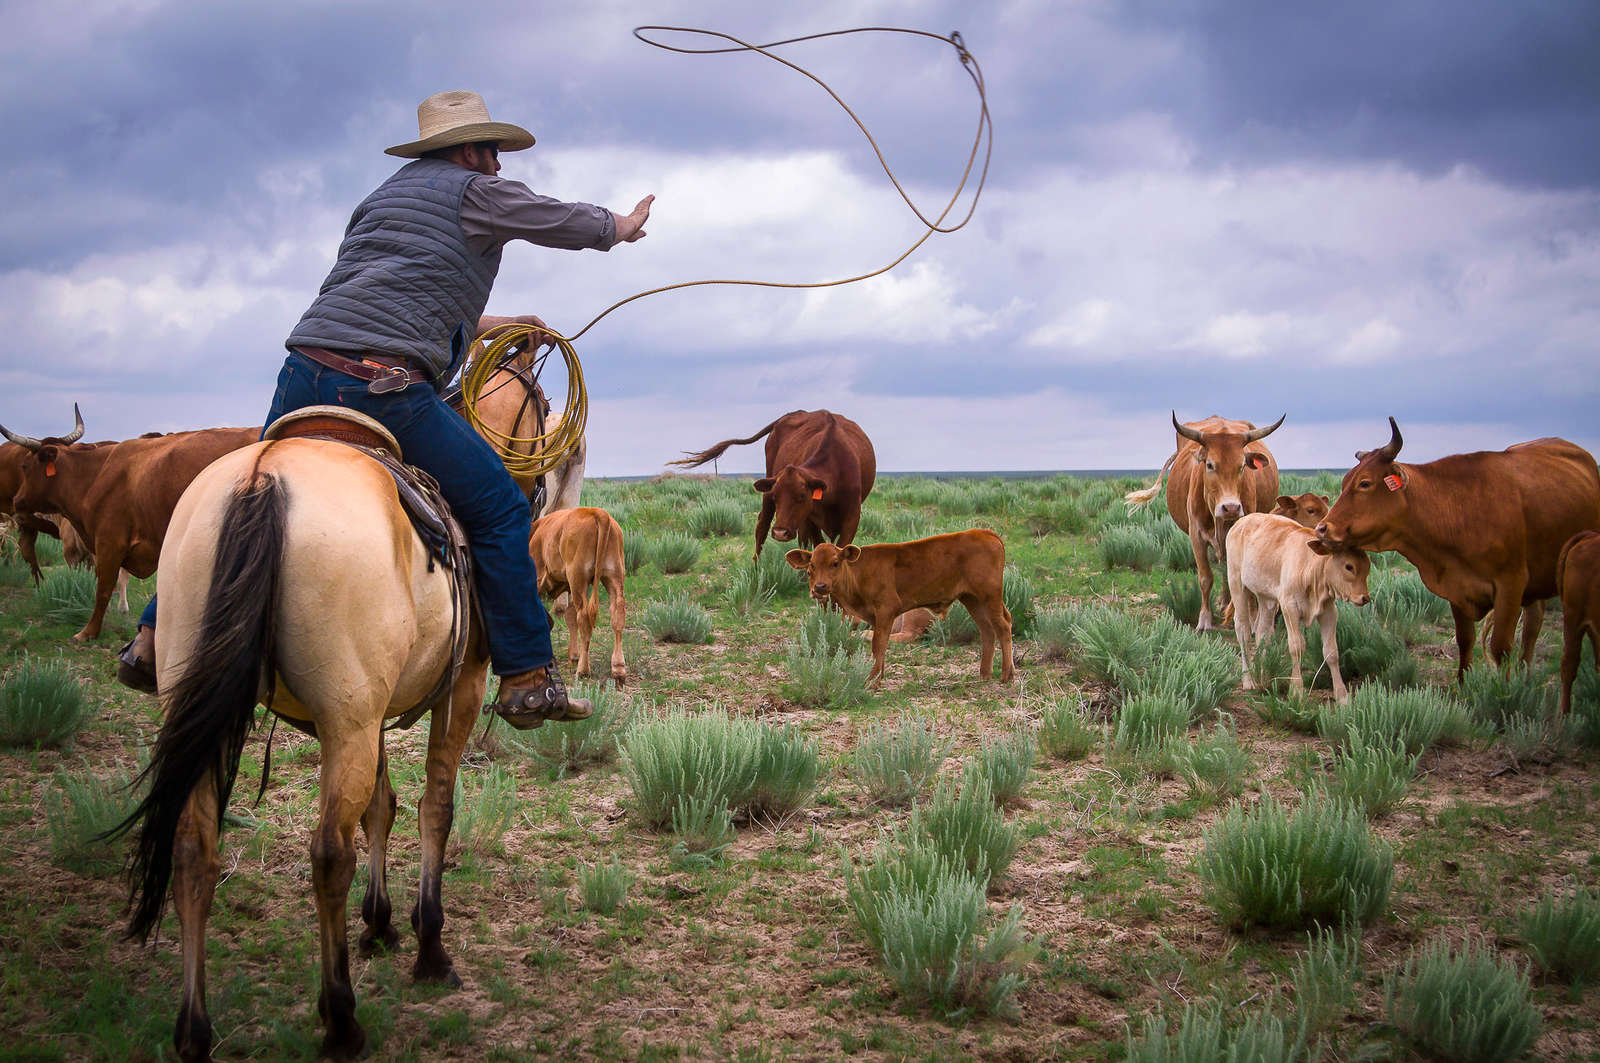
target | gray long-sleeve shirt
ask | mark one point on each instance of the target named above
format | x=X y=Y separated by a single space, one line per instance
x=495 y=211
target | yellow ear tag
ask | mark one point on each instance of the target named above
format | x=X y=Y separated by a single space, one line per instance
x=816 y=494
x=49 y=468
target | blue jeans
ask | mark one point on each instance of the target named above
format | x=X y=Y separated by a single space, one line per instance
x=473 y=479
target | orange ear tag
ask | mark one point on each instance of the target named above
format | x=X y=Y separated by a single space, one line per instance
x=49 y=468
x=816 y=494
x=1393 y=482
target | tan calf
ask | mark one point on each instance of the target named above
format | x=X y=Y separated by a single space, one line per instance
x=575 y=551
x=878 y=583
x=1306 y=510
x=1578 y=582
x=1275 y=563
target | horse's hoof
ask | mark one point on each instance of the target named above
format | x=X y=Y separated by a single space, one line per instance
x=351 y=1045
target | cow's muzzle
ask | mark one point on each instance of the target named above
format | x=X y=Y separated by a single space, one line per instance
x=782 y=535
x=1229 y=511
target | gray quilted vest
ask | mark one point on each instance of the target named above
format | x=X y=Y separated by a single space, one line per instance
x=405 y=281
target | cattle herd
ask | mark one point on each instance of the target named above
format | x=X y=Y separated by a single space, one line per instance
x=1494 y=533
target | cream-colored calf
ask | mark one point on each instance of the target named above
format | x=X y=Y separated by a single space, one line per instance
x=1276 y=564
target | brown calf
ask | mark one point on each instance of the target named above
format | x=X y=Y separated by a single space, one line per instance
x=1306 y=510
x=1578 y=580
x=878 y=583
x=575 y=551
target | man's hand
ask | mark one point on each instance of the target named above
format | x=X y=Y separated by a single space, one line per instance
x=630 y=227
x=542 y=338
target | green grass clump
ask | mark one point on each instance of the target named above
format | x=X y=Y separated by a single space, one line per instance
x=79 y=809
x=1113 y=645
x=708 y=755
x=824 y=670
x=1326 y=975
x=1204 y=1036
x=564 y=748
x=1373 y=773
x=747 y=592
x=1406 y=606
x=674 y=552
x=1177 y=552
x=14 y=573
x=1469 y=1006
x=776 y=573
x=1414 y=717
x=954 y=628
x=48 y=551
x=926 y=916
x=677 y=618
x=1319 y=865
x=66 y=595
x=603 y=886
x=1499 y=698
x=1182 y=599
x=485 y=808
x=895 y=760
x=715 y=517
x=41 y=705
x=1008 y=764
x=966 y=824
x=1563 y=936
x=1053 y=631
x=1017 y=593
x=787 y=766
x=1066 y=731
x=702 y=827
x=1192 y=670
x=1130 y=546
x=1056 y=517
x=635 y=551
x=1147 y=722
x=1213 y=766
x=1367 y=649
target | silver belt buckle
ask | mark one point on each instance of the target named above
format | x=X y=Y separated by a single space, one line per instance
x=397 y=380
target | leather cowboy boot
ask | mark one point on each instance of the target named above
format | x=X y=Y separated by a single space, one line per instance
x=136 y=662
x=528 y=700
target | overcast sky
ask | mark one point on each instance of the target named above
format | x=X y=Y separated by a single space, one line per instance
x=1245 y=207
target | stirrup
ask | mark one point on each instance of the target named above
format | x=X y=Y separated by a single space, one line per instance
x=529 y=706
x=135 y=672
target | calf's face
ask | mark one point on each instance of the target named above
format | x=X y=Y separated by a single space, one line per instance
x=822 y=566
x=1347 y=570
x=793 y=494
x=1308 y=510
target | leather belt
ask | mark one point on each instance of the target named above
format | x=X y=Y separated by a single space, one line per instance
x=383 y=372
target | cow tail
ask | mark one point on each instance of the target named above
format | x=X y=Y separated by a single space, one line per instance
x=1140 y=499
x=210 y=710
x=716 y=452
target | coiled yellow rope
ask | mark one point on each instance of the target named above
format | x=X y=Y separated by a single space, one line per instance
x=549 y=450
x=526 y=456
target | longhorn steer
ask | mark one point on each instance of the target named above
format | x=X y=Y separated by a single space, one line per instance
x=1578 y=579
x=575 y=551
x=820 y=467
x=1220 y=471
x=119 y=495
x=878 y=583
x=1484 y=530
x=1275 y=563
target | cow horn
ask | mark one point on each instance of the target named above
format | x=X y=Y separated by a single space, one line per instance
x=1391 y=450
x=77 y=430
x=1262 y=433
x=21 y=441
x=1185 y=431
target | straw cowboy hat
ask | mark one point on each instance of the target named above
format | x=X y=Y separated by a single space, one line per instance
x=446 y=119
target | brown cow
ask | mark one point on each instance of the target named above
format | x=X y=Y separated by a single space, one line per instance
x=878 y=583
x=76 y=552
x=1220 y=472
x=1275 y=563
x=1484 y=529
x=120 y=495
x=820 y=467
x=575 y=551
x=1578 y=580
x=29 y=525
x=1306 y=510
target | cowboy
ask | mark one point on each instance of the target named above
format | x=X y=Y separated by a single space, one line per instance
x=407 y=292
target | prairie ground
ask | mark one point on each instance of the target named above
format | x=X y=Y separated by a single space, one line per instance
x=755 y=954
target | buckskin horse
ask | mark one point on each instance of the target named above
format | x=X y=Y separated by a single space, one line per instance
x=292 y=577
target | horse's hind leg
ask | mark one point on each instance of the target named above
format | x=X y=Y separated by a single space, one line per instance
x=349 y=772
x=195 y=867
x=376 y=910
x=446 y=740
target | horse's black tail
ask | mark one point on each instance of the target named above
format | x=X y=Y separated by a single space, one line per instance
x=210 y=710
